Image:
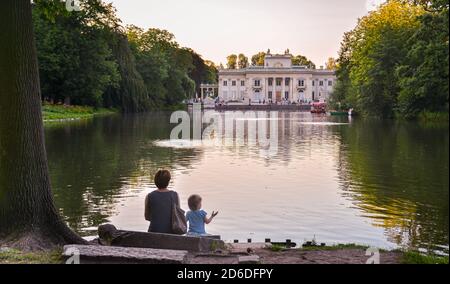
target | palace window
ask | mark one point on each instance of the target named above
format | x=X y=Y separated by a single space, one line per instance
x=257 y=83
x=313 y=83
x=242 y=83
x=330 y=83
x=225 y=83
x=270 y=95
x=301 y=83
x=270 y=81
x=279 y=81
x=320 y=83
x=286 y=95
x=233 y=83
x=287 y=81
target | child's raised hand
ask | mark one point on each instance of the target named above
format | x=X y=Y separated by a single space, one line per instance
x=214 y=213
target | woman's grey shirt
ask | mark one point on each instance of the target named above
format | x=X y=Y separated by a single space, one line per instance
x=158 y=210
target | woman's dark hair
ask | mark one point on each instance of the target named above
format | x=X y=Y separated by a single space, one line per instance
x=194 y=202
x=162 y=179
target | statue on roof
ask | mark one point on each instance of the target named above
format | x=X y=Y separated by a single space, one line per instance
x=268 y=51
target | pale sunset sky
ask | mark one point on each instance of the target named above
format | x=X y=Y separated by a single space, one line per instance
x=217 y=28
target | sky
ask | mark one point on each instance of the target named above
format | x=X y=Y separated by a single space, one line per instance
x=217 y=28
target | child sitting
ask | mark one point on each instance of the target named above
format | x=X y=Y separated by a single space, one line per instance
x=197 y=217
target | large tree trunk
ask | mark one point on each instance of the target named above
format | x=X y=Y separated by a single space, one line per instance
x=28 y=218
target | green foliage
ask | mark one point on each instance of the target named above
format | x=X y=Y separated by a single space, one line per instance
x=131 y=95
x=423 y=76
x=232 y=61
x=204 y=71
x=419 y=258
x=165 y=67
x=396 y=61
x=258 y=59
x=76 y=64
x=88 y=58
x=301 y=60
x=331 y=64
x=242 y=61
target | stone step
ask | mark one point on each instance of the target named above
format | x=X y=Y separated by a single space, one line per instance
x=109 y=235
x=85 y=254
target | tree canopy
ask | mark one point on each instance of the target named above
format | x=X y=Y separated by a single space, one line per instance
x=241 y=61
x=88 y=58
x=300 y=60
x=232 y=61
x=396 y=60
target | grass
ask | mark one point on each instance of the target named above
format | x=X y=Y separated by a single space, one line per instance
x=174 y=107
x=61 y=112
x=412 y=257
x=276 y=248
x=11 y=256
x=334 y=247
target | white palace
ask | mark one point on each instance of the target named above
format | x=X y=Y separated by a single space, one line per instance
x=278 y=81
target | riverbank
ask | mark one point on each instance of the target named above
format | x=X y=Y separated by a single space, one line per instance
x=54 y=113
x=339 y=254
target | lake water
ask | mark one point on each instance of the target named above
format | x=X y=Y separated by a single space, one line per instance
x=380 y=183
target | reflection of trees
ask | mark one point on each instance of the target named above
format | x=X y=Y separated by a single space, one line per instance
x=93 y=164
x=397 y=174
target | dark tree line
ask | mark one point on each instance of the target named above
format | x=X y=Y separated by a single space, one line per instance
x=89 y=58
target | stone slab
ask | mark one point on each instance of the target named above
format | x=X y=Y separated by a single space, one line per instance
x=90 y=254
x=111 y=236
x=249 y=259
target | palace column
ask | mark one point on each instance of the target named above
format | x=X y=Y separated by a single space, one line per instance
x=283 y=88
x=266 y=96
x=274 y=88
x=292 y=89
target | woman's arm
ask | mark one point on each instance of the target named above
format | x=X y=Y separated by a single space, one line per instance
x=148 y=213
x=178 y=199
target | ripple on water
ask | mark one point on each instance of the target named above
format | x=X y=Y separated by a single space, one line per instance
x=179 y=144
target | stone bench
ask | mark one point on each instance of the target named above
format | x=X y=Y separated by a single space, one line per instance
x=109 y=235
x=85 y=254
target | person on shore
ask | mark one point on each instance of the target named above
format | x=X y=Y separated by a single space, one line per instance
x=158 y=204
x=197 y=217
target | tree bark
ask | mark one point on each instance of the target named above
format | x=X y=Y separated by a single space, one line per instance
x=28 y=217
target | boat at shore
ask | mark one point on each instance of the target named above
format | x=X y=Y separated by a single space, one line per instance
x=339 y=113
x=319 y=108
x=350 y=112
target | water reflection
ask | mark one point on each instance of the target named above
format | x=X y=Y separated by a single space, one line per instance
x=97 y=164
x=397 y=175
x=371 y=182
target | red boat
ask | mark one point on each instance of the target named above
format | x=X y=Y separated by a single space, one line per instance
x=319 y=108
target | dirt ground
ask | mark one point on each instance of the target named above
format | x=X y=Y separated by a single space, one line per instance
x=294 y=256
